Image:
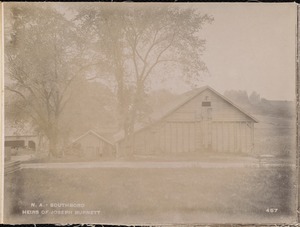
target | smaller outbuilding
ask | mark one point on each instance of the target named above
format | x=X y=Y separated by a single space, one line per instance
x=21 y=141
x=20 y=137
x=91 y=144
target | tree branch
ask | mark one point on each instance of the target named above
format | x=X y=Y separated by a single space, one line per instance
x=157 y=61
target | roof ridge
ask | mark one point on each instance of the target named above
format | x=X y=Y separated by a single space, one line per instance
x=162 y=113
x=234 y=105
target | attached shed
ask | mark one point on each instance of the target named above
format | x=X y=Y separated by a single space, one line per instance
x=201 y=120
x=91 y=144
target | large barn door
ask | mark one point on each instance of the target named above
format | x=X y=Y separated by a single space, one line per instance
x=207 y=127
x=199 y=136
x=207 y=135
x=204 y=130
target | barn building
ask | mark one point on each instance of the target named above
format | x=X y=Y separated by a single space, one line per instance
x=201 y=120
x=91 y=144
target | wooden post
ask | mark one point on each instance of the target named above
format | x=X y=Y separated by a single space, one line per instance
x=241 y=137
x=235 y=136
x=228 y=137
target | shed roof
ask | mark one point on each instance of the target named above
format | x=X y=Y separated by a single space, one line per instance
x=95 y=134
x=172 y=106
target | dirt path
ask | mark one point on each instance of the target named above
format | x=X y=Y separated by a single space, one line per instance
x=145 y=165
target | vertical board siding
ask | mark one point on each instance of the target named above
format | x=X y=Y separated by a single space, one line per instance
x=156 y=144
x=230 y=130
x=225 y=136
x=173 y=138
x=235 y=138
x=179 y=137
x=161 y=138
x=183 y=138
x=242 y=135
x=167 y=138
x=213 y=137
x=232 y=136
x=186 y=137
x=192 y=137
x=199 y=137
x=219 y=137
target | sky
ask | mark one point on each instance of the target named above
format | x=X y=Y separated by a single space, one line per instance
x=252 y=47
x=249 y=46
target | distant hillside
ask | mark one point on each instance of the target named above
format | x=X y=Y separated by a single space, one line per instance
x=254 y=104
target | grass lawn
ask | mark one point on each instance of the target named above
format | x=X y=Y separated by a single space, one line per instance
x=186 y=195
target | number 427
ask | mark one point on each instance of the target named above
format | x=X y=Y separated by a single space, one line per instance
x=271 y=210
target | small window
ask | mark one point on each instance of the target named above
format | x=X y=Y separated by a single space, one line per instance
x=206 y=104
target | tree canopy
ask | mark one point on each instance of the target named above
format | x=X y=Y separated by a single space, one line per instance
x=122 y=47
x=137 y=44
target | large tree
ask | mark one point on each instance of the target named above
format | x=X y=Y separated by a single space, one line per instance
x=42 y=59
x=137 y=43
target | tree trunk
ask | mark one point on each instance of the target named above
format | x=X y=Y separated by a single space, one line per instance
x=130 y=121
x=53 y=137
x=53 y=146
x=128 y=141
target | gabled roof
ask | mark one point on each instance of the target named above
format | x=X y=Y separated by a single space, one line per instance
x=234 y=105
x=95 y=134
x=172 y=106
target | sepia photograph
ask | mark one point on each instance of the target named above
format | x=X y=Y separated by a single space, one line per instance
x=150 y=113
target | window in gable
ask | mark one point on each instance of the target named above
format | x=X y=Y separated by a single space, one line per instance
x=206 y=103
